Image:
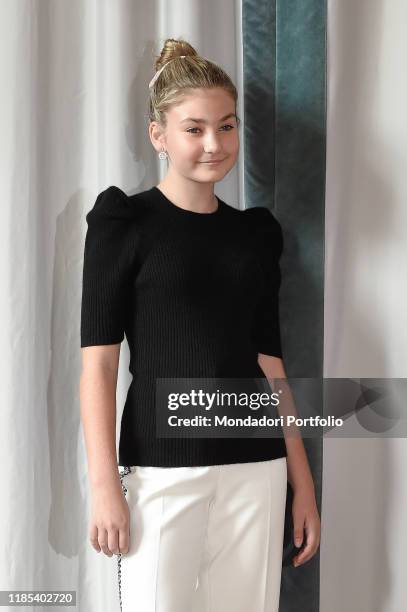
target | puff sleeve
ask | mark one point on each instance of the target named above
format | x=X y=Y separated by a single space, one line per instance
x=107 y=269
x=269 y=241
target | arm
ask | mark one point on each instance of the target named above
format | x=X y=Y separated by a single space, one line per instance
x=109 y=526
x=299 y=473
x=108 y=270
x=267 y=340
x=304 y=511
x=98 y=411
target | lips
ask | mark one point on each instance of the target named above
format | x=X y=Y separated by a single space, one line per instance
x=212 y=161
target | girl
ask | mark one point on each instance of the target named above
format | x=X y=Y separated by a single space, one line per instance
x=193 y=284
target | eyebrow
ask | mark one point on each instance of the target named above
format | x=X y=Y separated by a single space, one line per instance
x=204 y=121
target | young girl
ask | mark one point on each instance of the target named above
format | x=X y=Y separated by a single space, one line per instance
x=193 y=284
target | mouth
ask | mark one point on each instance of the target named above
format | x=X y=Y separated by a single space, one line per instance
x=213 y=161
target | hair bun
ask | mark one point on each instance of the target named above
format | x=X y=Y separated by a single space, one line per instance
x=172 y=48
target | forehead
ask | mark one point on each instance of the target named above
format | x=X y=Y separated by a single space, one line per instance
x=208 y=104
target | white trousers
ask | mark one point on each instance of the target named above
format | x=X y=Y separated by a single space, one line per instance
x=204 y=539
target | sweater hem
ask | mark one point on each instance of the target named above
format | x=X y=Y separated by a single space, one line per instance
x=169 y=455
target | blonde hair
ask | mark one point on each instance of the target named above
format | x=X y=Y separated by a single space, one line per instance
x=181 y=75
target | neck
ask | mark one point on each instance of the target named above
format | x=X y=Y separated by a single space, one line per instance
x=198 y=197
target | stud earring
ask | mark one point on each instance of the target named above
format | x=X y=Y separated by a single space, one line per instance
x=162 y=154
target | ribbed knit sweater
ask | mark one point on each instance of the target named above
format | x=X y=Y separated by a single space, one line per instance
x=196 y=295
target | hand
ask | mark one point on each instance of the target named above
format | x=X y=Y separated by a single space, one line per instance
x=305 y=518
x=110 y=519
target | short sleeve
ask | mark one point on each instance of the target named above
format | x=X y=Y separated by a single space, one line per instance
x=107 y=269
x=269 y=241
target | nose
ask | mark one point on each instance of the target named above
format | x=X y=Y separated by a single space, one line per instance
x=212 y=144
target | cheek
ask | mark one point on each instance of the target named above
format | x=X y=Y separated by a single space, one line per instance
x=188 y=149
x=234 y=144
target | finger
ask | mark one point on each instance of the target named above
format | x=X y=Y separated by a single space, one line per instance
x=102 y=539
x=124 y=540
x=93 y=538
x=298 y=533
x=308 y=550
x=113 y=541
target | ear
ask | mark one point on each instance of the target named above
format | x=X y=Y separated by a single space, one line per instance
x=157 y=136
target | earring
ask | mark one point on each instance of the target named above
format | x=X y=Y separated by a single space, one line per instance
x=162 y=154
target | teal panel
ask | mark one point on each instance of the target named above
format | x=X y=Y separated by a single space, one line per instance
x=284 y=70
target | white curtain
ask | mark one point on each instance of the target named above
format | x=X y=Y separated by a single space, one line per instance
x=364 y=484
x=73 y=121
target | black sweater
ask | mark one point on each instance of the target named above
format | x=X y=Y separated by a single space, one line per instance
x=196 y=295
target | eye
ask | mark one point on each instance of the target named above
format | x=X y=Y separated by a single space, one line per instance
x=228 y=125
